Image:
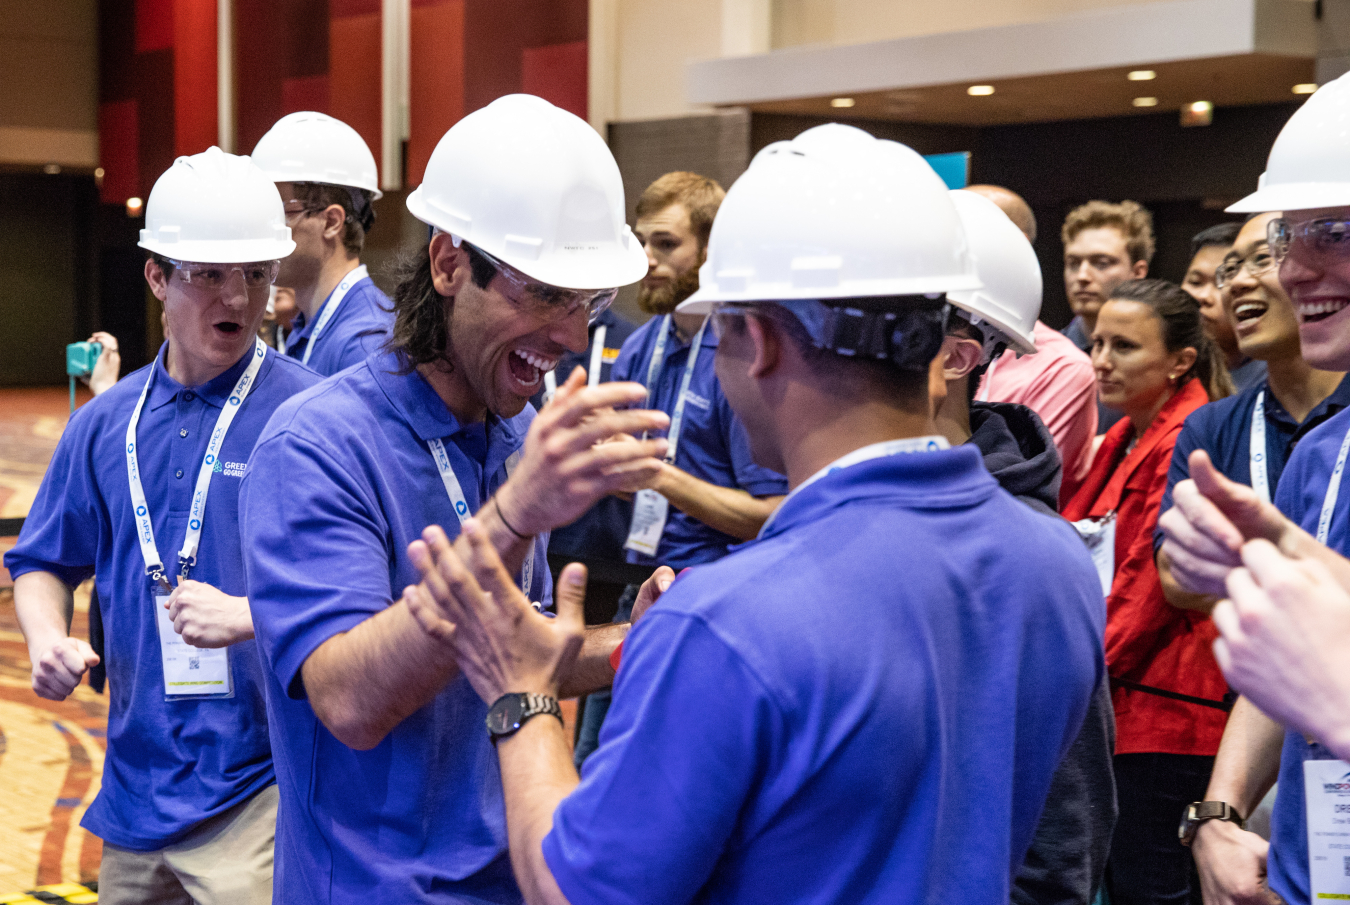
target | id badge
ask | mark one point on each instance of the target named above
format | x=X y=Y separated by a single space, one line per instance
x=190 y=672
x=1100 y=536
x=649 y=522
x=1327 y=789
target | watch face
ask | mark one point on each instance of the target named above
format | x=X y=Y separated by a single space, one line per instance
x=504 y=716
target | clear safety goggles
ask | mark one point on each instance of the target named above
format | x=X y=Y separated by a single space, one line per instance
x=1327 y=237
x=1257 y=263
x=549 y=302
x=214 y=276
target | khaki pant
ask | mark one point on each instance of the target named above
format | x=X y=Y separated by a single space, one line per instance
x=227 y=860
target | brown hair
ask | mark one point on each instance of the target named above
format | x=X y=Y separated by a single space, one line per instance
x=421 y=314
x=1131 y=218
x=355 y=204
x=1182 y=327
x=700 y=196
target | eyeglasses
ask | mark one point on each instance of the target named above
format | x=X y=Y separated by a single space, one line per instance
x=215 y=276
x=294 y=209
x=1326 y=237
x=549 y=302
x=721 y=315
x=1258 y=262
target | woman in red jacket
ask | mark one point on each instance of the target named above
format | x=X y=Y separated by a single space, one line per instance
x=1154 y=363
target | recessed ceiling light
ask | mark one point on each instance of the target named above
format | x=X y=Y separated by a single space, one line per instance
x=1145 y=102
x=842 y=102
x=52 y=169
x=134 y=206
x=1305 y=88
x=980 y=90
x=1142 y=75
x=1199 y=113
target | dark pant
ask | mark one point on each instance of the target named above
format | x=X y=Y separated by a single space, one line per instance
x=597 y=704
x=1148 y=865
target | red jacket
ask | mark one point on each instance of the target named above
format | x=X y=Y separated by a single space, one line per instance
x=1149 y=641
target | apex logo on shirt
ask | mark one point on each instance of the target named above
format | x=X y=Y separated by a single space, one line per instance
x=230 y=469
x=695 y=399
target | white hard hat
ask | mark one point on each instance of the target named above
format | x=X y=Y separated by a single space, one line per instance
x=315 y=147
x=216 y=208
x=1010 y=300
x=536 y=187
x=834 y=214
x=1309 y=164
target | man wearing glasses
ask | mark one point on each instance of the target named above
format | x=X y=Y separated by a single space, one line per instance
x=1308 y=177
x=327 y=179
x=143 y=492
x=388 y=782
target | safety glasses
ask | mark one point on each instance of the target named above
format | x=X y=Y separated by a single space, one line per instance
x=1258 y=262
x=215 y=276
x=1329 y=237
x=549 y=302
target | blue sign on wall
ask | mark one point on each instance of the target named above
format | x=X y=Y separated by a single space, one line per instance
x=954 y=168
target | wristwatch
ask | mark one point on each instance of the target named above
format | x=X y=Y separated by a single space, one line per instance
x=1197 y=812
x=511 y=711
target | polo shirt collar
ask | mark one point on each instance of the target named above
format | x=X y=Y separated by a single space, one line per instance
x=1339 y=399
x=927 y=480
x=709 y=339
x=164 y=389
x=427 y=415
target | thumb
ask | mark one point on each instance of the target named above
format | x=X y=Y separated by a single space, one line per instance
x=570 y=596
x=86 y=653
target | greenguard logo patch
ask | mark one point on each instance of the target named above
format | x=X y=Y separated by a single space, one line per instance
x=231 y=469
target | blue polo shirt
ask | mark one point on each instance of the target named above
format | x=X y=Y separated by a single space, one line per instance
x=342 y=481
x=360 y=326
x=600 y=533
x=865 y=705
x=170 y=764
x=713 y=445
x=1224 y=429
x=1300 y=497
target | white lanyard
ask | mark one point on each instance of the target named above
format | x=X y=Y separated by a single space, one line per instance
x=658 y=355
x=1333 y=491
x=456 y=494
x=1259 y=467
x=145 y=533
x=330 y=308
x=592 y=373
x=931 y=443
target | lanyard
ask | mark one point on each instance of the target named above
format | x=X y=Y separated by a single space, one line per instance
x=456 y=494
x=592 y=373
x=145 y=533
x=1259 y=466
x=1333 y=491
x=931 y=443
x=330 y=308
x=658 y=356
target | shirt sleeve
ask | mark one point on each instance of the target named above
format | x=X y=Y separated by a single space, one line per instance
x=61 y=533
x=690 y=734
x=315 y=552
x=1065 y=396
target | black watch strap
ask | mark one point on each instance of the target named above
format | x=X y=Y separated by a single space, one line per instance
x=509 y=712
x=1197 y=812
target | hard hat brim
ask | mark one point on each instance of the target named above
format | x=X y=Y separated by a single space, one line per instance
x=1026 y=345
x=1295 y=196
x=705 y=297
x=235 y=251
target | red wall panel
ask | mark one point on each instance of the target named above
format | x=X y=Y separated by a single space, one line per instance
x=435 y=79
x=557 y=73
x=354 y=71
x=194 y=76
x=154 y=25
x=305 y=93
x=119 y=151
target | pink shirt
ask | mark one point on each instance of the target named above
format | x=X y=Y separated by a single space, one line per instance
x=1057 y=383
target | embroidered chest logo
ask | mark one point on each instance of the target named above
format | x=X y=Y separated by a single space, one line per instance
x=230 y=469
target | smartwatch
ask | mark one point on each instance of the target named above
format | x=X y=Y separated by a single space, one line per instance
x=511 y=711
x=1197 y=812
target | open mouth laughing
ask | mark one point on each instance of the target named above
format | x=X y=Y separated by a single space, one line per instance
x=1311 y=312
x=528 y=368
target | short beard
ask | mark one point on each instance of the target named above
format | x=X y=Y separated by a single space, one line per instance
x=664 y=299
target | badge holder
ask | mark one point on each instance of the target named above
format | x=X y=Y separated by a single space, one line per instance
x=1327 y=787
x=190 y=673
x=649 y=522
x=1099 y=534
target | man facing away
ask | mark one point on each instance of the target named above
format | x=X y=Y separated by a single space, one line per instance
x=143 y=493
x=327 y=179
x=389 y=788
x=816 y=716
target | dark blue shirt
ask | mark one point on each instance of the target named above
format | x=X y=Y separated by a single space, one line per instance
x=713 y=445
x=866 y=705
x=170 y=764
x=1300 y=497
x=1224 y=429
x=342 y=482
x=360 y=326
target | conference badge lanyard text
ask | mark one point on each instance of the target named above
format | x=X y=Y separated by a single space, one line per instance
x=1326 y=783
x=189 y=672
x=650 y=509
x=330 y=308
